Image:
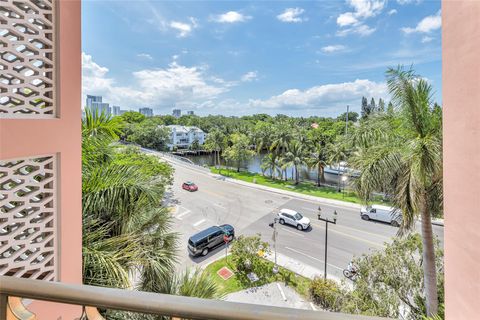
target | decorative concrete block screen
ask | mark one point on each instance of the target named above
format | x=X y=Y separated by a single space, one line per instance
x=27 y=59
x=27 y=218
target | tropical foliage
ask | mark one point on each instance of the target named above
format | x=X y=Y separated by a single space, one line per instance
x=128 y=241
x=400 y=153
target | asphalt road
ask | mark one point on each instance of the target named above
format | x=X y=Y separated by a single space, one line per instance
x=251 y=210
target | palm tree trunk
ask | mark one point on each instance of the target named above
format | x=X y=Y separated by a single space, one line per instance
x=322 y=179
x=429 y=269
x=319 y=169
x=296 y=175
x=338 y=179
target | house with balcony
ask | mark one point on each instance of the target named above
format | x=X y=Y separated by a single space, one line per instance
x=41 y=175
x=182 y=137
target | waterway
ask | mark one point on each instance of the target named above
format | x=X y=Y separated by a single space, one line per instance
x=253 y=165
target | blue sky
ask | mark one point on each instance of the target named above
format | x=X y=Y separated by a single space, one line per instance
x=239 y=57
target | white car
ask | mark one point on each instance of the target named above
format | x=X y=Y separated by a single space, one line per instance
x=292 y=217
x=382 y=213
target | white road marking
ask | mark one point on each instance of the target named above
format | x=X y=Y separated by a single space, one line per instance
x=309 y=209
x=179 y=216
x=281 y=292
x=196 y=224
x=295 y=233
x=219 y=205
x=309 y=256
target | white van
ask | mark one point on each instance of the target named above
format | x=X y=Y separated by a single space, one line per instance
x=382 y=213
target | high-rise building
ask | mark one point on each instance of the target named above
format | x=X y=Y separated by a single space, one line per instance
x=116 y=110
x=95 y=104
x=177 y=113
x=147 y=112
x=190 y=113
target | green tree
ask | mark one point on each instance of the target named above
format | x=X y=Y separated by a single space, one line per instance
x=390 y=282
x=149 y=134
x=352 y=116
x=365 y=108
x=239 y=151
x=132 y=117
x=373 y=107
x=195 y=145
x=337 y=154
x=216 y=142
x=403 y=156
x=96 y=124
x=270 y=162
x=246 y=256
x=295 y=157
x=381 y=105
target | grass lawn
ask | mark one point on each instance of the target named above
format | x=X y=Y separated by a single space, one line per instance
x=233 y=284
x=308 y=188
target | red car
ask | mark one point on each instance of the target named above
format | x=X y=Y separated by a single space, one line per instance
x=189 y=186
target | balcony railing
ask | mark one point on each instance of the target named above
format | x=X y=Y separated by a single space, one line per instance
x=12 y=288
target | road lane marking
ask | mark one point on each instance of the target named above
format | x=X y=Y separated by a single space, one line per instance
x=379 y=245
x=293 y=232
x=309 y=256
x=219 y=205
x=179 y=216
x=196 y=224
x=281 y=292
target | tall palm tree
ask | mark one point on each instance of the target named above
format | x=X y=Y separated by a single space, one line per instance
x=338 y=153
x=216 y=142
x=406 y=161
x=318 y=159
x=270 y=162
x=295 y=157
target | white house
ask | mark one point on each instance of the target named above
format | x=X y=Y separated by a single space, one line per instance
x=182 y=136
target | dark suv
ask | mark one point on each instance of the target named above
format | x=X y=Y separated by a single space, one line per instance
x=206 y=240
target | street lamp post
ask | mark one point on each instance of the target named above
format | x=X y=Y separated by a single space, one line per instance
x=275 y=234
x=327 y=221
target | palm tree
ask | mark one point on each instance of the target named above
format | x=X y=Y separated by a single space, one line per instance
x=405 y=159
x=215 y=142
x=295 y=157
x=318 y=159
x=95 y=124
x=281 y=139
x=338 y=153
x=270 y=162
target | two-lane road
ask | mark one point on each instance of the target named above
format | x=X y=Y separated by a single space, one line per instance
x=251 y=210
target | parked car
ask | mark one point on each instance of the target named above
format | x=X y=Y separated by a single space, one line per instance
x=203 y=242
x=189 y=186
x=293 y=218
x=381 y=213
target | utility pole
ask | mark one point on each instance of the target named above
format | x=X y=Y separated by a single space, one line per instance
x=346 y=121
x=334 y=221
x=275 y=234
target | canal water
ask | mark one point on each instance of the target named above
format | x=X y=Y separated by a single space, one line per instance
x=253 y=165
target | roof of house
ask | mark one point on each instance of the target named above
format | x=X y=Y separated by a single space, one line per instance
x=185 y=129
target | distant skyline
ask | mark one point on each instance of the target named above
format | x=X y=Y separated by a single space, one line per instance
x=240 y=57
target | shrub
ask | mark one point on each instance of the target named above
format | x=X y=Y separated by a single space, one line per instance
x=326 y=293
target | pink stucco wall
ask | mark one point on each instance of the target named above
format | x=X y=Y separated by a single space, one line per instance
x=461 y=105
x=61 y=136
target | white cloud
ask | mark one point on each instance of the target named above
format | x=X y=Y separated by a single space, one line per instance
x=249 y=76
x=354 y=20
x=391 y=12
x=150 y=87
x=231 y=17
x=427 y=39
x=292 y=15
x=145 y=56
x=333 y=48
x=362 y=30
x=324 y=96
x=426 y=25
x=404 y=2
x=184 y=29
